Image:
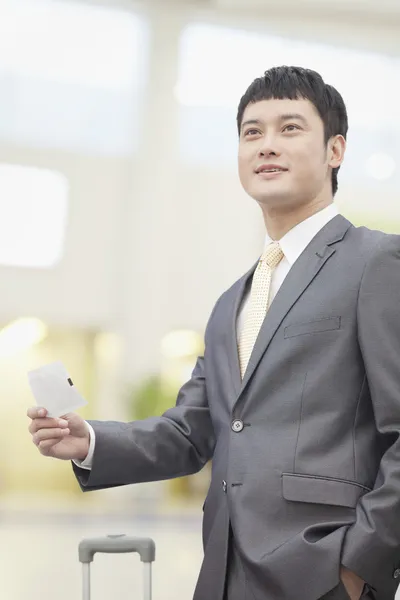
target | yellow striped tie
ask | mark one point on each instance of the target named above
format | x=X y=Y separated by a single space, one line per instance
x=259 y=302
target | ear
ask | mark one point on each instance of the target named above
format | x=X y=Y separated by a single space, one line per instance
x=336 y=150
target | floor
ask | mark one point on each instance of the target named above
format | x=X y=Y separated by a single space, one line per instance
x=39 y=557
x=39 y=550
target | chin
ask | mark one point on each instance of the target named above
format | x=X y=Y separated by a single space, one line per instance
x=276 y=199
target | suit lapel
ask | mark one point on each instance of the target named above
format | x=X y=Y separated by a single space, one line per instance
x=300 y=276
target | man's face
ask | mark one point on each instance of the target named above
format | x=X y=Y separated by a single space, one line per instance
x=287 y=134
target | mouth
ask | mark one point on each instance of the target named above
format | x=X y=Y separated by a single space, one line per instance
x=269 y=171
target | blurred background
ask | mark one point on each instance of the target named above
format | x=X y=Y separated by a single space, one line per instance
x=118 y=152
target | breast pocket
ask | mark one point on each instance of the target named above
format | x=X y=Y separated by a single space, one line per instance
x=317 y=326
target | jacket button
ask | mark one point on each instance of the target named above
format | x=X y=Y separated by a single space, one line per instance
x=396 y=573
x=224 y=486
x=237 y=426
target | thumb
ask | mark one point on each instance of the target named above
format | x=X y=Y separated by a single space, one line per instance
x=75 y=421
x=68 y=416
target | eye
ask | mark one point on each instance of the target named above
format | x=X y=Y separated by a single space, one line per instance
x=251 y=132
x=294 y=127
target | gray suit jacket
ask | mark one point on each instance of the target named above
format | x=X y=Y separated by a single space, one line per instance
x=305 y=450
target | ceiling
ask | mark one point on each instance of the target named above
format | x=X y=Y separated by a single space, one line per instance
x=357 y=13
x=359 y=8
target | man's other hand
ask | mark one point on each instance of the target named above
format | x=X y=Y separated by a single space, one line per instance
x=352 y=582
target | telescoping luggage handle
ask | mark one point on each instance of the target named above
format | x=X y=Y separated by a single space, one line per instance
x=112 y=544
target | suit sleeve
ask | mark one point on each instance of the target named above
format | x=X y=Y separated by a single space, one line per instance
x=180 y=442
x=372 y=544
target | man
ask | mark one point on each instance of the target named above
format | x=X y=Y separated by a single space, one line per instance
x=297 y=397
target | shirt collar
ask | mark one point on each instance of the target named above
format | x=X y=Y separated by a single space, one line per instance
x=295 y=241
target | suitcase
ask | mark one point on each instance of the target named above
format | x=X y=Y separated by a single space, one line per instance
x=112 y=544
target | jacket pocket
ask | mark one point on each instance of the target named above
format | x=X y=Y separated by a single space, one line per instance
x=328 y=324
x=321 y=490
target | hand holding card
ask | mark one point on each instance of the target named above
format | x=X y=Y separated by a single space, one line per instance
x=54 y=390
x=67 y=438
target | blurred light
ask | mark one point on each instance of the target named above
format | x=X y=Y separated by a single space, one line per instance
x=70 y=42
x=381 y=166
x=33 y=212
x=200 y=96
x=181 y=343
x=65 y=67
x=21 y=335
x=107 y=346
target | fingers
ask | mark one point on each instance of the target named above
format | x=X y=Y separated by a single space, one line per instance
x=47 y=423
x=34 y=412
x=50 y=434
x=46 y=444
x=45 y=447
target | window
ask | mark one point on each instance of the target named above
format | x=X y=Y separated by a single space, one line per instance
x=71 y=75
x=33 y=212
x=217 y=65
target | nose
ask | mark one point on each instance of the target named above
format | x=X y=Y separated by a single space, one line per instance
x=267 y=148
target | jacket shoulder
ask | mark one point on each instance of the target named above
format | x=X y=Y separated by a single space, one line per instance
x=373 y=240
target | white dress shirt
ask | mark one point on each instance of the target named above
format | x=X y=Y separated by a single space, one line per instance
x=293 y=243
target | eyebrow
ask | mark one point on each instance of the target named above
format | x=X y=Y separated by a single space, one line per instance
x=251 y=122
x=293 y=116
x=284 y=117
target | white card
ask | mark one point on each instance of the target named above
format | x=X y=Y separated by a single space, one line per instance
x=54 y=390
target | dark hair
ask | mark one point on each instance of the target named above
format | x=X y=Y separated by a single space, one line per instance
x=295 y=83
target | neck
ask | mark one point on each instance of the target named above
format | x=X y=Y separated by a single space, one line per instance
x=278 y=221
